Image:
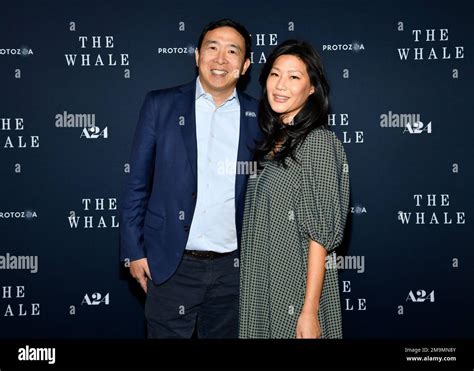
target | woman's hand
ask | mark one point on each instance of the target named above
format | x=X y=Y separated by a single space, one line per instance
x=308 y=326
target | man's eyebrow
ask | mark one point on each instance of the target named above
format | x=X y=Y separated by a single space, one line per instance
x=236 y=46
x=216 y=42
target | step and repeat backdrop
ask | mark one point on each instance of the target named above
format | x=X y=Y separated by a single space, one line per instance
x=73 y=76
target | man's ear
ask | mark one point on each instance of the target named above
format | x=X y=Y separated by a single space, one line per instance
x=196 y=55
x=245 y=66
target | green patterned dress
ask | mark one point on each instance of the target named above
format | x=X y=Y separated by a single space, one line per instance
x=284 y=209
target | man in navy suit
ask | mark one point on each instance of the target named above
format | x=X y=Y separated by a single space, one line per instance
x=182 y=209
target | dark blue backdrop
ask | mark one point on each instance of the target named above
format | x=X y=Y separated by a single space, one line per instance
x=406 y=124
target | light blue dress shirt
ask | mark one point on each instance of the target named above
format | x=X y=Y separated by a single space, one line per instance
x=217 y=133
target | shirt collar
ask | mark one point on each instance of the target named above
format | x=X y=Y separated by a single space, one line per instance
x=200 y=93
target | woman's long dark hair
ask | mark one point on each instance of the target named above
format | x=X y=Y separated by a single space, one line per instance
x=313 y=114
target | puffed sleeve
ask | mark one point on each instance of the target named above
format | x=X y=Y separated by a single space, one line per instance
x=325 y=188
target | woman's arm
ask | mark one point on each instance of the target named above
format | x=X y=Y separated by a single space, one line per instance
x=308 y=324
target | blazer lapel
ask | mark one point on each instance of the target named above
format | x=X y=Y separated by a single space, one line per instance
x=243 y=151
x=185 y=102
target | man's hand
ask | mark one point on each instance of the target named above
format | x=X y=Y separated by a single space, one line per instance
x=139 y=270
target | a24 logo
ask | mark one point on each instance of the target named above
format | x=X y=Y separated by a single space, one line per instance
x=417 y=128
x=97 y=299
x=421 y=296
x=94 y=132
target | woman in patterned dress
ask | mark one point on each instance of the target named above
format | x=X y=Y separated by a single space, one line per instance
x=296 y=206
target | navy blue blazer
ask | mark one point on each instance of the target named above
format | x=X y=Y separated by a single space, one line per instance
x=160 y=192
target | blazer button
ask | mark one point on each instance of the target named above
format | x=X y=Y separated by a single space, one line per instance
x=186 y=228
x=193 y=195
